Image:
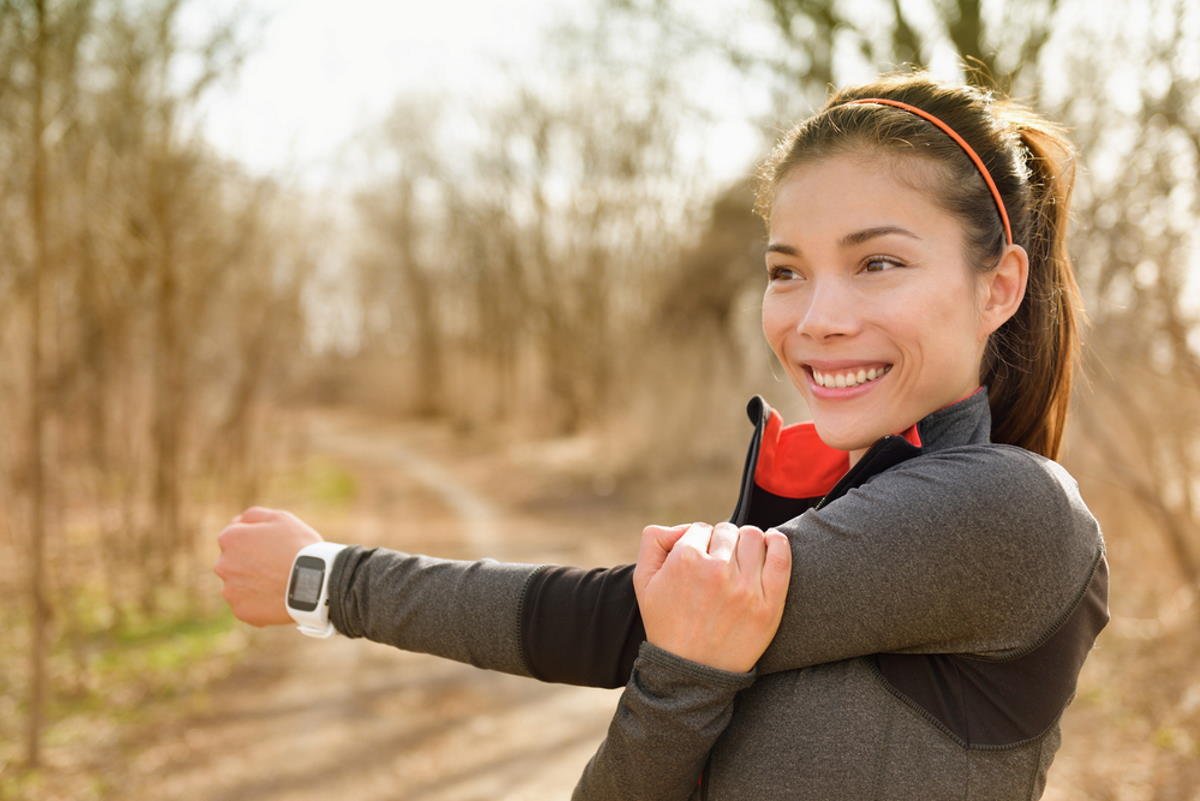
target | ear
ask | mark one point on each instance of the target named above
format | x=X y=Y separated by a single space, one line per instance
x=1002 y=289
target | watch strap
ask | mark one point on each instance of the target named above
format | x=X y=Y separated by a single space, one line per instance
x=316 y=623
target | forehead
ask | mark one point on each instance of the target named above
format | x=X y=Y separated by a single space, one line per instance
x=818 y=202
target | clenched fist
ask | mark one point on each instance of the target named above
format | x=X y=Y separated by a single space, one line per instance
x=713 y=595
x=257 y=550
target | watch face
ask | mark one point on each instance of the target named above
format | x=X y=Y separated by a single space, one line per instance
x=305 y=588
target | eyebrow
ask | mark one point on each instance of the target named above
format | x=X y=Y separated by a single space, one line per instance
x=855 y=238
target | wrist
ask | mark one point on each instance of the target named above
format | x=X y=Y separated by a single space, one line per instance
x=704 y=655
x=307 y=597
x=681 y=666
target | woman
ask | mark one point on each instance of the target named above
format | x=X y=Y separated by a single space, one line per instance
x=922 y=635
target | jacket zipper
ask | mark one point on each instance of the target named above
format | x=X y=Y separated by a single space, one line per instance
x=751 y=465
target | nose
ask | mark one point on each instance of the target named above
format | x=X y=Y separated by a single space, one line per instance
x=832 y=310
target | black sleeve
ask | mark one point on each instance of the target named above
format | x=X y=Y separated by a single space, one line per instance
x=581 y=626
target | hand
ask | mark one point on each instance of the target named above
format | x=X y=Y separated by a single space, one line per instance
x=257 y=551
x=713 y=595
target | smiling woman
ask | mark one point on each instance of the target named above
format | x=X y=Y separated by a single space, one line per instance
x=915 y=626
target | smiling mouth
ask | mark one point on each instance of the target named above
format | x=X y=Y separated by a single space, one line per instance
x=845 y=379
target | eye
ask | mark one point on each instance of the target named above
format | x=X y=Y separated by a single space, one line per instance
x=780 y=272
x=880 y=260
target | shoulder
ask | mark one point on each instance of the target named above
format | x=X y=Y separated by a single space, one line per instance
x=988 y=501
x=993 y=479
x=993 y=523
x=990 y=464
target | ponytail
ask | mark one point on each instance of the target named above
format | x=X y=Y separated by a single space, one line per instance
x=1030 y=361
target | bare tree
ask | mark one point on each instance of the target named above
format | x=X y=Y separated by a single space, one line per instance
x=38 y=44
x=129 y=245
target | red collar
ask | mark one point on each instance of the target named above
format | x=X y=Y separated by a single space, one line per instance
x=793 y=461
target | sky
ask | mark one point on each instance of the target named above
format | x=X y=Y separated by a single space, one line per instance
x=319 y=73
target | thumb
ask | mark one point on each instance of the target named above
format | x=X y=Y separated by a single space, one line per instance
x=657 y=542
x=777 y=567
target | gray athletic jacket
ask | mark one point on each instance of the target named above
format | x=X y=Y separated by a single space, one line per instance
x=944 y=594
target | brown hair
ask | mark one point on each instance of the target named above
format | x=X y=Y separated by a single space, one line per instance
x=1030 y=360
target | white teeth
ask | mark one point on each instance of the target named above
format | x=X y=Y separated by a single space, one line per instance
x=843 y=380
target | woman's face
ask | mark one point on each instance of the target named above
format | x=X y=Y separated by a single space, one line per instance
x=875 y=329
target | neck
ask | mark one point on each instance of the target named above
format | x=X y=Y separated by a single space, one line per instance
x=855 y=455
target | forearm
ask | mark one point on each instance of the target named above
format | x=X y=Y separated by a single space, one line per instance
x=468 y=611
x=668 y=718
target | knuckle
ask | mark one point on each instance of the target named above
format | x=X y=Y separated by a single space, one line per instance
x=732 y=598
x=745 y=597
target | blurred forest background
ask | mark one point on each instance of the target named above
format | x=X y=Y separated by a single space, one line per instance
x=569 y=288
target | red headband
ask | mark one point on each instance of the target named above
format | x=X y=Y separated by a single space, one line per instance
x=962 y=143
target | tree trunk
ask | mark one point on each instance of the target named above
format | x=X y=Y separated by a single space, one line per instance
x=39 y=608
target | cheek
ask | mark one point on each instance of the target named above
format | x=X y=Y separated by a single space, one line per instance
x=773 y=320
x=941 y=333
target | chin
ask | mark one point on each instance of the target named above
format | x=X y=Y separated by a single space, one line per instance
x=844 y=440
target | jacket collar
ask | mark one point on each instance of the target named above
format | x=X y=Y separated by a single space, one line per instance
x=967 y=421
x=791 y=463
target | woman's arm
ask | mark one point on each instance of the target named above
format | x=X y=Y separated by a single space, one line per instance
x=971 y=549
x=974 y=549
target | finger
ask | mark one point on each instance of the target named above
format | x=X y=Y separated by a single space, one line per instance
x=750 y=551
x=258 y=514
x=777 y=566
x=696 y=537
x=227 y=536
x=657 y=542
x=724 y=540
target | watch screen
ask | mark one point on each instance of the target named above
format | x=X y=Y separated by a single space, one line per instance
x=307 y=578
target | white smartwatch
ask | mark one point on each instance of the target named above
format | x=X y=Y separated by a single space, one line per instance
x=308 y=588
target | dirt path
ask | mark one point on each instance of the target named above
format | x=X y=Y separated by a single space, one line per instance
x=355 y=720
